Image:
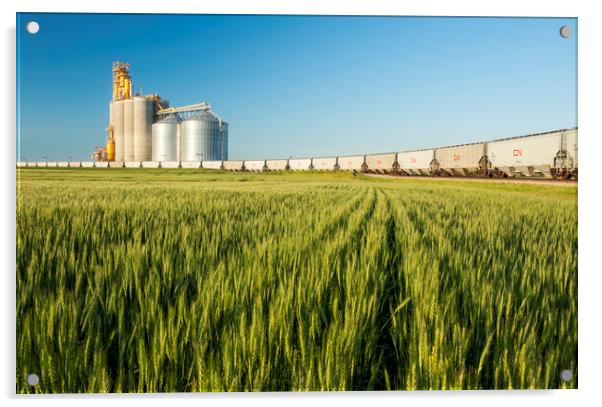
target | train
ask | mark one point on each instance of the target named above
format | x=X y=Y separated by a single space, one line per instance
x=551 y=154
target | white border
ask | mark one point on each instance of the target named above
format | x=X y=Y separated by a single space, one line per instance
x=590 y=133
x=538 y=8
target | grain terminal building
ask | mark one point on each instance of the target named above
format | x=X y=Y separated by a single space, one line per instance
x=144 y=127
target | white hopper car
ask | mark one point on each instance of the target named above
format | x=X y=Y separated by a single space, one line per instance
x=539 y=155
x=352 y=163
x=277 y=165
x=232 y=165
x=253 y=165
x=300 y=164
x=212 y=165
x=417 y=162
x=325 y=163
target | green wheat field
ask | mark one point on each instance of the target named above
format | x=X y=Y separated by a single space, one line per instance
x=132 y=280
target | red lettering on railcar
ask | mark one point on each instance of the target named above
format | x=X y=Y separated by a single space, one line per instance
x=413 y=160
x=457 y=157
x=518 y=152
x=378 y=162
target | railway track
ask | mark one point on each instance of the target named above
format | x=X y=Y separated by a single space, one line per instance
x=537 y=181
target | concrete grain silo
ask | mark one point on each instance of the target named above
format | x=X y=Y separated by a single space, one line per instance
x=141 y=134
x=111 y=115
x=128 y=129
x=118 y=129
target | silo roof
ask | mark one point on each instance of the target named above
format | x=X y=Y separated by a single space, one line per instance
x=170 y=118
x=203 y=115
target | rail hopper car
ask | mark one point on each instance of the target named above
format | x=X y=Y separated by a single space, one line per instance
x=116 y=164
x=382 y=163
x=277 y=165
x=552 y=154
x=212 y=165
x=190 y=164
x=232 y=165
x=253 y=166
x=170 y=164
x=418 y=162
x=325 y=163
x=352 y=163
x=150 y=164
x=461 y=160
x=300 y=164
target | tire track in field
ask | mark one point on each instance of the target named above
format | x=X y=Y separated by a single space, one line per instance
x=394 y=293
x=342 y=251
x=425 y=226
x=418 y=213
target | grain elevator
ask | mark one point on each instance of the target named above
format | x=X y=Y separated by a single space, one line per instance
x=144 y=127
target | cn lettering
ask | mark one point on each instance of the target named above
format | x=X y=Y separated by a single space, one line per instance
x=457 y=157
x=518 y=152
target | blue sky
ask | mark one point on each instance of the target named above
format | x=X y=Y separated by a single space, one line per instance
x=299 y=85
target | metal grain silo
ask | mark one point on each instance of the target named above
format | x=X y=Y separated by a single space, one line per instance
x=179 y=142
x=128 y=130
x=165 y=139
x=201 y=137
x=224 y=141
x=118 y=129
x=143 y=120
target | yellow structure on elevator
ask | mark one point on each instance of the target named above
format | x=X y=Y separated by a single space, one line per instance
x=122 y=90
x=122 y=81
x=110 y=145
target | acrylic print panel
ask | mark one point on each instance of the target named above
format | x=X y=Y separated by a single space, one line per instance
x=295 y=203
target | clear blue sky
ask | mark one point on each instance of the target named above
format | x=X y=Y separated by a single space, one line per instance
x=300 y=85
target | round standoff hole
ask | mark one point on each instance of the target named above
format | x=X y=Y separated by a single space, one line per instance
x=565 y=31
x=33 y=27
x=566 y=375
x=33 y=379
